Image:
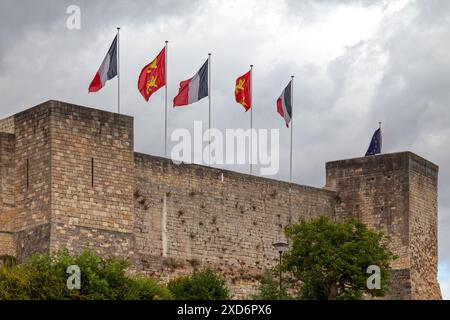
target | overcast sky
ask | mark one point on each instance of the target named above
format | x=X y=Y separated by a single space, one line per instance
x=356 y=62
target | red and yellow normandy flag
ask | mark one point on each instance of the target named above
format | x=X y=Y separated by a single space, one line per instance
x=242 y=91
x=153 y=76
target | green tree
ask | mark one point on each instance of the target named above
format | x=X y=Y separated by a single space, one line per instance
x=330 y=260
x=202 y=285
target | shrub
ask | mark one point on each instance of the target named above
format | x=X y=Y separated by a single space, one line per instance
x=13 y=284
x=7 y=260
x=202 y=285
x=44 y=277
x=270 y=289
x=141 y=288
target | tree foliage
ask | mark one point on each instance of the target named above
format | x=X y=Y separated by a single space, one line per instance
x=44 y=277
x=202 y=285
x=330 y=260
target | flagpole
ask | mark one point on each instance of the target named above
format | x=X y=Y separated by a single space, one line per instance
x=251 y=119
x=292 y=126
x=118 y=70
x=165 y=100
x=209 y=106
x=381 y=137
x=290 y=159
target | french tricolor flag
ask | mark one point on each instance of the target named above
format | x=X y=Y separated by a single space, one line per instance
x=194 y=89
x=284 y=104
x=108 y=69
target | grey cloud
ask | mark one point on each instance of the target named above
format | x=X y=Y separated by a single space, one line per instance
x=411 y=99
x=420 y=105
x=19 y=19
x=413 y=96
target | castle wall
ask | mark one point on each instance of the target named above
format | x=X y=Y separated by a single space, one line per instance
x=390 y=193
x=25 y=181
x=7 y=125
x=92 y=180
x=7 y=204
x=7 y=207
x=66 y=181
x=7 y=243
x=375 y=190
x=189 y=215
x=423 y=228
x=32 y=166
x=69 y=179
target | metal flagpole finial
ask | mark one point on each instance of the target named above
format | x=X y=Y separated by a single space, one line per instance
x=379 y=123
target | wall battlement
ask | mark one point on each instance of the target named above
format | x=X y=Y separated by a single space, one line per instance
x=69 y=178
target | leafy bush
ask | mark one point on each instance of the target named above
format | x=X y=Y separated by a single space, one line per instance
x=270 y=288
x=13 y=284
x=141 y=288
x=202 y=285
x=44 y=277
x=7 y=260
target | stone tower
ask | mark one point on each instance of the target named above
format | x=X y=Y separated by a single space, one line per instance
x=396 y=194
x=69 y=178
x=67 y=171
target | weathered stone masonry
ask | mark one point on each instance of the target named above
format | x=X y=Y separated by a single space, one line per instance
x=69 y=178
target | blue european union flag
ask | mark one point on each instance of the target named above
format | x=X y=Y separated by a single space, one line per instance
x=375 y=144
